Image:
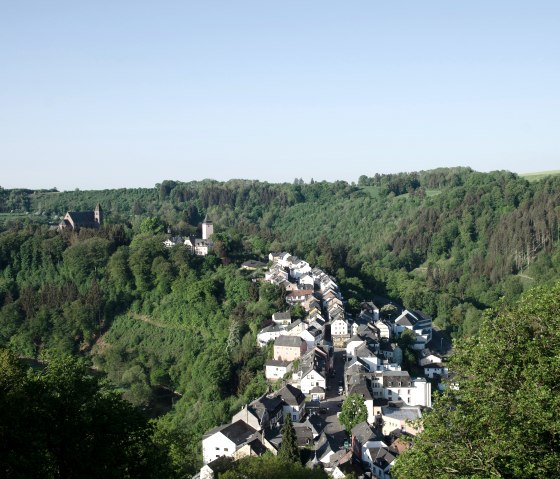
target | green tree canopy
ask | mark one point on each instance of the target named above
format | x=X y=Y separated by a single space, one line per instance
x=62 y=423
x=502 y=420
x=271 y=467
x=353 y=411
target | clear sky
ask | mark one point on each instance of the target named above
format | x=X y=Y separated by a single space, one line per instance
x=102 y=94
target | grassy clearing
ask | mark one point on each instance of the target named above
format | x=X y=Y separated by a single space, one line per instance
x=539 y=175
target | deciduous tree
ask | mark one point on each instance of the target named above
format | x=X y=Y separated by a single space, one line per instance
x=502 y=418
x=353 y=411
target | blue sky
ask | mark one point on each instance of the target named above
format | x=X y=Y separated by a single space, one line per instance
x=102 y=94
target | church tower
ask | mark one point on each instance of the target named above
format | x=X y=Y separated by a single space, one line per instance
x=207 y=228
x=98 y=214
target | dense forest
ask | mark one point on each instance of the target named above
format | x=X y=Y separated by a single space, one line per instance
x=451 y=242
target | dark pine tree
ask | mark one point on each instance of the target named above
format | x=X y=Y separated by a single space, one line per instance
x=289 y=448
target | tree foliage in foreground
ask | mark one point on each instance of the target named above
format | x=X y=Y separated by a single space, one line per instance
x=62 y=423
x=503 y=419
x=271 y=467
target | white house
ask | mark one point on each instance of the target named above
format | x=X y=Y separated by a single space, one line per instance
x=429 y=359
x=277 y=369
x=270 y=333
x=416 y=322
x=432 y=369
x=276 y=275
x=306 y=282
x=296 y=328
x=300 y=269
x=384 y=329
x=312 y=378
x=353 y=343
x=311 y=336
x=361 y=389
x=173 y=241
x=226 y=440
x=398 y=385
x=340 y=327
x=298 y=296
x=293 y=402
x=379 y=460
x=312 y=371
x=198 y=246
x=282 y=318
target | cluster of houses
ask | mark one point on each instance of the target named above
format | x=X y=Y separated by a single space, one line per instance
x=303 y=366
x=198 y=246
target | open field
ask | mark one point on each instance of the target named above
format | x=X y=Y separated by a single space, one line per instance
x=539 y=175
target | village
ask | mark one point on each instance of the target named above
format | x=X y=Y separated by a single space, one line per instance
x=320 y=360
x=321 y=356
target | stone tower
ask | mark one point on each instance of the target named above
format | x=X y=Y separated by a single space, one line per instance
x=98 y=214
x=207 y=228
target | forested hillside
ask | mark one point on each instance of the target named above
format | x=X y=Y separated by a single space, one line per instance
x=146 y=315
x=450 y=242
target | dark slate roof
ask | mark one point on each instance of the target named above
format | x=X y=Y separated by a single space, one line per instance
x=314 y=331
x=317 y=390
x=364 y=351
x=83 y=219
x=407 y=320
x=221 y=464
x=382 y=457
x=362 y=390
x=289 y=341
x=272 y=328
x=257 y=446
x=291 y=395
x=265 y=407
x=363 y=432
x=313 y=360
x=277 y=362
x=325 y=444
x=299 y=292
x=238 y=432
x=393 y=378
x=387 y=346
x=252 y=263
x=304 y=433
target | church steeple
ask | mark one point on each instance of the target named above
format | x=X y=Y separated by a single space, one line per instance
x=98 y=214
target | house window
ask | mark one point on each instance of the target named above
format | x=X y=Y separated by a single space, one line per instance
x=225 y=449
x=217 y=449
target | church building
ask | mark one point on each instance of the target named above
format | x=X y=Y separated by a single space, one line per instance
x=75 y=220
